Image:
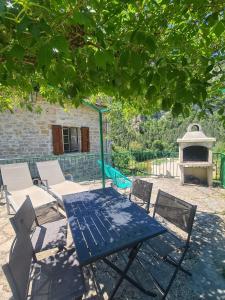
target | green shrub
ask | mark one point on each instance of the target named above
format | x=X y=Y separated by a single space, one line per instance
x=158 y=145
x=122 y=160
x=219 y=147
x=135 y=146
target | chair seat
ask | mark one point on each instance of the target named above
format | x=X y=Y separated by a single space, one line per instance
x=50 y=235
x=58 y=278
x=38 y=197
x=165 y=244
x=66 y=188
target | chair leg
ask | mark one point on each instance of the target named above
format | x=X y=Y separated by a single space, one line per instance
x=174 y=274
x=7 y=202
x=57 y=207
x=171 y=262
x=61 y=248
x=148 y=206
x=34 y=257
x=8 y=207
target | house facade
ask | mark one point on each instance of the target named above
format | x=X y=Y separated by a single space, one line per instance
x=52 y=131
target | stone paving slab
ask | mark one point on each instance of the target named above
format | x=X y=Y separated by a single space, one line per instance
x=206 y=258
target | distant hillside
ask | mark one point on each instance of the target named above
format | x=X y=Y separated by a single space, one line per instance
x=159 y=132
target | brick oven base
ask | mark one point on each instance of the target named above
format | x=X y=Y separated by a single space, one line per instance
x=196 y=175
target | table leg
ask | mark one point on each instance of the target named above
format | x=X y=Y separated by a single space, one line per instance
x=132 y=255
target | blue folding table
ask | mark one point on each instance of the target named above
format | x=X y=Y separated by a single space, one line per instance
x=104 y=222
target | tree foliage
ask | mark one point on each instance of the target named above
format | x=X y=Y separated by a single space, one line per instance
x=160 y=131
x=151 y=55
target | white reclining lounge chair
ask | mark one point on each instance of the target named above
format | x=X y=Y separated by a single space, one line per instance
x=50 y=171
x=18 y=185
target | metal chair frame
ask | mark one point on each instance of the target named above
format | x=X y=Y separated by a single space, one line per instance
x=22 y=227
x=20 y=272
x=142 y=190
x=187 y=229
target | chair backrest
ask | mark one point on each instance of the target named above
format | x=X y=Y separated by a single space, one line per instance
x=50 y=171
x=120 y=180
x=176 y=211
x=16 y=176
x=24 y=218
x=17 y=270
x=142 y=189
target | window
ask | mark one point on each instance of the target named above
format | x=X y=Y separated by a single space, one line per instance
x=71 y=139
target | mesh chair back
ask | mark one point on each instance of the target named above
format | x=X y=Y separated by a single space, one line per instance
x=106 y=167
x=50 y=171
x=16 y=176
x=142 y=189
x=176 y=211
x=17 y=270
x=24 y=218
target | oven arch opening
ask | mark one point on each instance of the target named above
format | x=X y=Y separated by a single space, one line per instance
x=195 y=153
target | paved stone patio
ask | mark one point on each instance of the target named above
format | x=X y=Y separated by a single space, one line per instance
x=206 y=257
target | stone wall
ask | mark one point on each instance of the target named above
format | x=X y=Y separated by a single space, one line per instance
x=26 y=133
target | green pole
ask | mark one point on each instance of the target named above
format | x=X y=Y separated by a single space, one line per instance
x=100 y=111
x=102 y=149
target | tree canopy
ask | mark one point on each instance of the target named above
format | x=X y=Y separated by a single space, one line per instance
x=151 y=55
x=160 y=131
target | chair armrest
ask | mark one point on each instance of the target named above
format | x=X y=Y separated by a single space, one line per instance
x=44 y=183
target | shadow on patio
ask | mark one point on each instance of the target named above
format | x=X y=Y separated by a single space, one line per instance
x=205 y=259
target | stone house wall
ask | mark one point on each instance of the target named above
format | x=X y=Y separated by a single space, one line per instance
x=25 y=133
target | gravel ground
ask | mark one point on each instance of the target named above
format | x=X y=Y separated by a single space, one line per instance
x=205 y=259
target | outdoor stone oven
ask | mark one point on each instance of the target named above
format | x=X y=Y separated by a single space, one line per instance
x=195 y=156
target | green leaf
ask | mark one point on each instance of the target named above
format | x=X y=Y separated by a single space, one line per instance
x=2 y=7
x=149 y=77
x=134 y=60
x=109 y=57
x=221 y=111
x=166 y=103
x=204 y=94
x=100 y=59
x=150 y=43
x=212 y=19
x=60 y=43
x=44 y=55
x=17 y=51
x=180 y=88
x=209 y=68
x=145 y=39
x=70 y=72
x=82 y=19
x=219 y=28
x=151 y=92
x=35 y=31
x=177 y=108
x=124 y=57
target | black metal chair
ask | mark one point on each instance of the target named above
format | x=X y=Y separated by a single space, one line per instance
x=181 y=214
x=43 y=237
x=57 y=277
x=142 y=190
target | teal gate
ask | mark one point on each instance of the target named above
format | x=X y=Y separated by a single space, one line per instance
x=222 y=170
